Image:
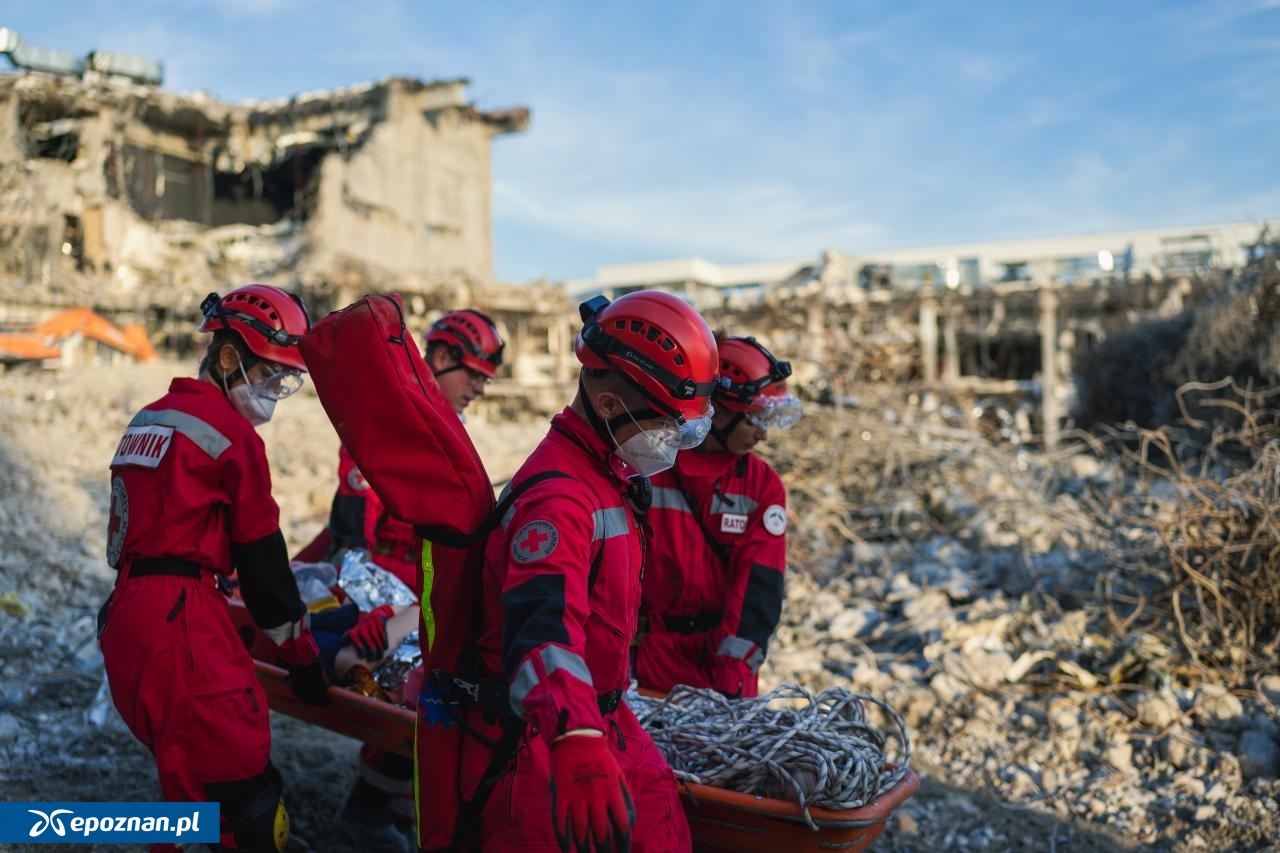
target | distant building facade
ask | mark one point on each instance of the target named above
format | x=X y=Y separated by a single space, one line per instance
x=1159 y=253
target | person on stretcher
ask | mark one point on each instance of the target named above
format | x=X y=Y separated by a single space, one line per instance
x=361 y=613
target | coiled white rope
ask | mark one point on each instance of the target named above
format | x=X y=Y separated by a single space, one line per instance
x=787 y=744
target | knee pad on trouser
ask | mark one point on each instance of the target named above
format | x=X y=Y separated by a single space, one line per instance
x=253 y=813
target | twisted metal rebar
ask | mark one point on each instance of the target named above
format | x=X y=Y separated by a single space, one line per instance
x=787 y=744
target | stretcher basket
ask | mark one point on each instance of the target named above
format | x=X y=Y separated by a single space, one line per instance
x=731 y=822
x=721 y=821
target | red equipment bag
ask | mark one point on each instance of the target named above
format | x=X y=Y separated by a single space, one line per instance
x=391 y=415
x=413 y=450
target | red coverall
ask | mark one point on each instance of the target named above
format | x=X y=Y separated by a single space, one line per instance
x=711 y=608
x=189 y=478
x=561 y=638
x=360 y=520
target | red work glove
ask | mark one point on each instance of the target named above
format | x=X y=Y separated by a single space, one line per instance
x=307 y=675
x=369 y=636
x=730 y=676
x=590 y=805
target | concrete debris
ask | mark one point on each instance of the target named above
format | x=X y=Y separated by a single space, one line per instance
x=137 y=202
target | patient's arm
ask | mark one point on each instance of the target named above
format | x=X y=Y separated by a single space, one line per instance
x=399 y=626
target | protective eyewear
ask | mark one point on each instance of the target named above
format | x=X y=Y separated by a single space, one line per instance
x=681 y=433
x=279 y=381
x=476 y=378
x=776 y=412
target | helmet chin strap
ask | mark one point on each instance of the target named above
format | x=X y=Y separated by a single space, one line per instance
x=721 y=434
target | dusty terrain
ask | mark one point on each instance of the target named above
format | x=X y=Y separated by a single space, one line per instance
x=959 y=579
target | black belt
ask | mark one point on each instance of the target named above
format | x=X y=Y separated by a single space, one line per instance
x=692 y=623
x=491 y=694
x=164 y=566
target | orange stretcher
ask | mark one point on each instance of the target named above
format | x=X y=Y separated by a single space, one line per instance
x=721 y=821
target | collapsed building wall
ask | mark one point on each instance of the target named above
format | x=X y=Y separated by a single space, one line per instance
x=138 y=201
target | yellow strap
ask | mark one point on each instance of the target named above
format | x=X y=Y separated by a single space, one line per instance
x=428 y=580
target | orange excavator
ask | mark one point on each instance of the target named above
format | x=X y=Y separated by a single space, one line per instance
x=43 y=341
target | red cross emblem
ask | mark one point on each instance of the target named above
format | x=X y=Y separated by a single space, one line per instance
x=534 y=541
x=119 y=521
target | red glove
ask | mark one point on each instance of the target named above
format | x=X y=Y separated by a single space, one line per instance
x=300 y=650
x=730 y=676
x=369 y=636
x=307 y=675
x=590 y=805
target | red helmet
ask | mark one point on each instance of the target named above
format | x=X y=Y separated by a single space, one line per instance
x=755 y=383
x=474 y=334
x=658 y=343
x=751 y=371
x=269 y=321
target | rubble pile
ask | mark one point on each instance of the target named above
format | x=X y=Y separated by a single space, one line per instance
x=1232 y=331
x=1081 y=632
x=1066 y=635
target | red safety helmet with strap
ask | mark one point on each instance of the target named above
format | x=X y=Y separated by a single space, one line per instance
x=269 y=320
x=474 y=335
x=658 y=343
x=751 y=371
x=754 y=384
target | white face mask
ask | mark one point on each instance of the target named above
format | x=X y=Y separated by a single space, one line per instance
x=649 y=451
x=250 y=402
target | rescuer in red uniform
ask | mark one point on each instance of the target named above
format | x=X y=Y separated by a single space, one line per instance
x=713 y=583
x=463 y=350
x=191 y=503
x=561 y=593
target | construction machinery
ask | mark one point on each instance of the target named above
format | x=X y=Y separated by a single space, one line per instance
x=48 y=339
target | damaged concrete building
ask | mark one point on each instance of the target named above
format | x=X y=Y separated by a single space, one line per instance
x=137 y=201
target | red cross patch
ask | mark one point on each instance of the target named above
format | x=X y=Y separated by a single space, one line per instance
x=119 y=521
x=534 y=541
x=356 y=481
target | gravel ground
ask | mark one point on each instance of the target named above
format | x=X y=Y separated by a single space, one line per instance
x=1024 y=764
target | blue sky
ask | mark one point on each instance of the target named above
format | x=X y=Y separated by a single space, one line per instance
x=741 y=131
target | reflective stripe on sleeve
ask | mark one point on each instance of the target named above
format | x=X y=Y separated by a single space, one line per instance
x=197 y=431
x=732 y=503
x=610 y=523
x=672 y=499
x=554 y=658
x=743 y=650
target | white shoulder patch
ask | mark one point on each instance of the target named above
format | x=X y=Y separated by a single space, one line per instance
x=356 y=481
x=144 y=446
x=775 y=520
x=533 y=541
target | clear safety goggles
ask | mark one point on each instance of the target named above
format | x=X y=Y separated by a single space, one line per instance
x=279 y=381
x=680 y=433
x=776 y=412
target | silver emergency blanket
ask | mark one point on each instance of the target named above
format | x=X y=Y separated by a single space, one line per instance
x=393 y=672
x=368 y=584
